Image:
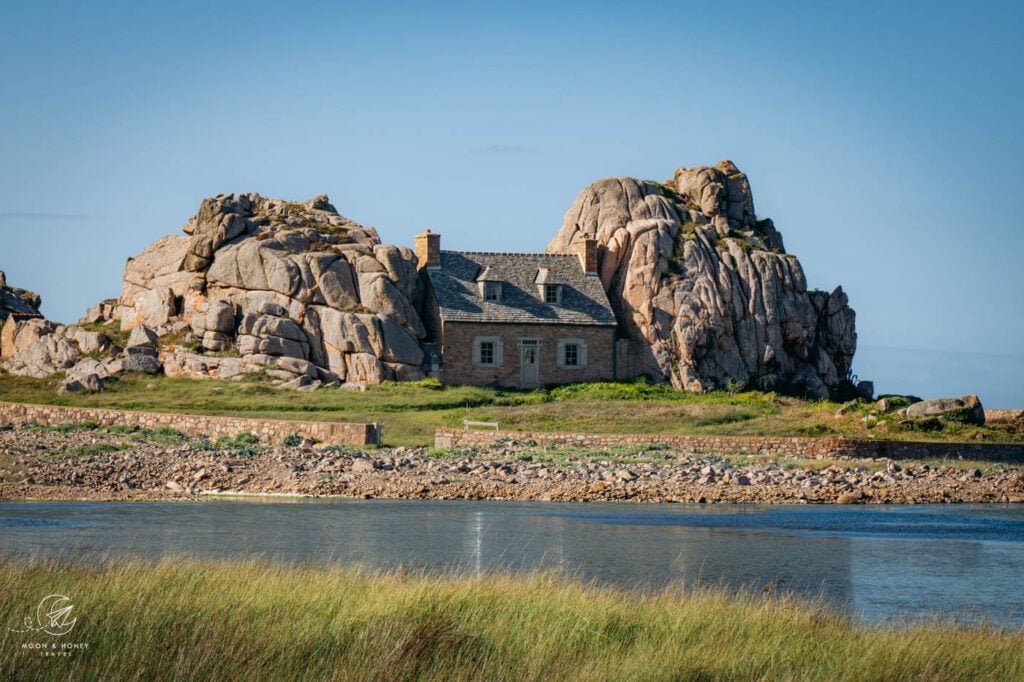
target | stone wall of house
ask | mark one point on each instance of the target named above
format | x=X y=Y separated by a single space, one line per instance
x=760 y=445
x=458 y=367
x=267 y=430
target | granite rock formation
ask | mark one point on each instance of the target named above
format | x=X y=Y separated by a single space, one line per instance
x=292 y=289
x=28 y=343
x=296 y=291
x=708 y=288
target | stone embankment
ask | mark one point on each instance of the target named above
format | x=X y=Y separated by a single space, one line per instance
x=266 y=430
x=115 y=464
x=748 y=445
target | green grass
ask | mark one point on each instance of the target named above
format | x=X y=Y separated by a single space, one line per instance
x=95 y=449
x=189 y=619
x=411 y=412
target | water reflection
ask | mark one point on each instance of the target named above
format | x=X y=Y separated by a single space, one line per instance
x=877 y=562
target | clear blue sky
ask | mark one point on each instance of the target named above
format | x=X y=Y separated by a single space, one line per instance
x=883 y=138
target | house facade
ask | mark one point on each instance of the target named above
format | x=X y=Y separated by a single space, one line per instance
x=516 y=319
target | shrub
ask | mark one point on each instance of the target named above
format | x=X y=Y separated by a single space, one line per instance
x=242 y=444
x=95 y=449
x=246 y=439
x=293 y=440
x=224 y=443
x=815 y=430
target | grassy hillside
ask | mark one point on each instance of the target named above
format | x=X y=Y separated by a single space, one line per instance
x=202 y=620
x=411 y=412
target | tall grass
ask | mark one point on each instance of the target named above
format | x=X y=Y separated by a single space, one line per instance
x=189 y=619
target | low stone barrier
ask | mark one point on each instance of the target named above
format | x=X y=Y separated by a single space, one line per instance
x=754 y=445
x=267 y=430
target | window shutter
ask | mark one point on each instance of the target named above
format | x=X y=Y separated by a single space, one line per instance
x=499 y=352
x=583 y=354
x=476 y=351
x=560 y=356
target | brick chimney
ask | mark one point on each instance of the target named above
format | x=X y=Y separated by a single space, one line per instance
x=428 y=250
x=586 y=249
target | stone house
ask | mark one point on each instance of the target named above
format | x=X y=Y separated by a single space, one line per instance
x=516 y=319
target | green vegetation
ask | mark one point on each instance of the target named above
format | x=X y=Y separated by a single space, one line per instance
x=190 y=619
x=243 y=444
x=95 y=449
x=110 y=330
x=687 y=232
x=411 y=412
x=669 y=193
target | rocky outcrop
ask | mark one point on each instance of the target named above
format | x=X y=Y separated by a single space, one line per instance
x=708 y=288
x=293 y=290
x=29 y=344
x=17 y=301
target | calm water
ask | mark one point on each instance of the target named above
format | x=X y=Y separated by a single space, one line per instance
x=878 y=563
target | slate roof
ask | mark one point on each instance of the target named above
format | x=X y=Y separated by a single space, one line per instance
x=458 y=293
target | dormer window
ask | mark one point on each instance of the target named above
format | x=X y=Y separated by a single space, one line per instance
x=492 y=291
x=549 y=286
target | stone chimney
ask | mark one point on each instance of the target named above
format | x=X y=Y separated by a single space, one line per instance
x=586 y=249
x=428 y=250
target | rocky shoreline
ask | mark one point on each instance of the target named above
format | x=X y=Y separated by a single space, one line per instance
x=94 y=464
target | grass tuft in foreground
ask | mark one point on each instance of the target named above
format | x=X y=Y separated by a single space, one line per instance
x=242 y=620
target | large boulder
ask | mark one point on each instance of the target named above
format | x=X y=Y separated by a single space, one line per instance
x=707 y=288
x=37 y=348
x=966 y=409
x=159 y=266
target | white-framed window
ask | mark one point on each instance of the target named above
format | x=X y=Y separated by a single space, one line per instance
x=488 y=351
x=572 y=354
x=492 y=291
x=552 y=293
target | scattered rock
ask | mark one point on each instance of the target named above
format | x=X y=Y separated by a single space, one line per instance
x=362 y=465
x=142 y=337
x=302 y=383
x=90 y=383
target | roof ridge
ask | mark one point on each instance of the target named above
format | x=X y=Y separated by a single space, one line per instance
x=507 y=253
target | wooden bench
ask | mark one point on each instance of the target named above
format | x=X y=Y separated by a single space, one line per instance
x=490 y=425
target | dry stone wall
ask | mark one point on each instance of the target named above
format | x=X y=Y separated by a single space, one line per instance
x=815 y=448
x=267 y=430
